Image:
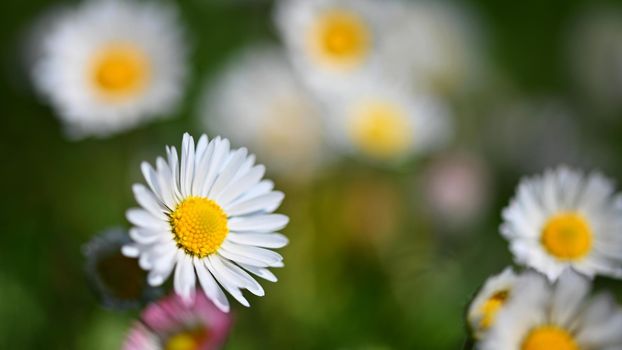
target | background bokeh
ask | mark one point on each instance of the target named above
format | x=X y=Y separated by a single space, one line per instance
x=377 y=259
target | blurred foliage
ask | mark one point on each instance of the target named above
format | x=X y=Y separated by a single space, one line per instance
x=393 y=281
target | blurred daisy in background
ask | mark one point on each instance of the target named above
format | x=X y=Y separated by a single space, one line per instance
x=436 y=43
x=330 y=41
x=595 y=57
x=207 y=215
x=457 y=188
x=490 y=299
x=172 y=324
x=109 y=65
x=381 y=121
x=565 y=218
x=259 y=102
x=560 y=316
x=117 y=280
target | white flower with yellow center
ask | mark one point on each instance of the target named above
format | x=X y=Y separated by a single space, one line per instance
x=564 y=219
x=110 y=64
x=329 y=40
x=490 y=300
x=207 y=215
x=542 y=316
x=382 y=122
x=282 y=123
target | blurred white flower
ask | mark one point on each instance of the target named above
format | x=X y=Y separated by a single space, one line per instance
x=561 y=316
x=109 y=65
x=382 y=121
x=457 y=188
x=595 y=50
x=258 y=101
x=490 y=299
x=208 y=215
x=436 y=43
x=566 y=219
x=330 y=41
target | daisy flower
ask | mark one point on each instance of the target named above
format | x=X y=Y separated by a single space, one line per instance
x=384 y=122
x=329 y=40
x=281 y=121
x=489 y=300
x=117 y=280
x=109 y=65
x=209 y=216
x=172 y=324
x=565 y=218
x=560 y=316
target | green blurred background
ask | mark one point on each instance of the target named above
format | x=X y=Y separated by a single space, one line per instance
x=368 y=266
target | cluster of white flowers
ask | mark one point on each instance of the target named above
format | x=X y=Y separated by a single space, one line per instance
x=566 y=227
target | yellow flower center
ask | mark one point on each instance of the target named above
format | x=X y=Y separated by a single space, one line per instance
x=187 y=340
x=549 y=338
x=340 y=38
x=491 y=308
x=120 y=70
x=567 y=236
x=380 y=130
x=199 y=225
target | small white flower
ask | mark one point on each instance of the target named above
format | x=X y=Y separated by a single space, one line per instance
x=207 y=215
x=382 y=121
x=332 y=40
x=565 y=218
x=260 y=92
x=109 y=65
x=490 y=299
x=542 y=316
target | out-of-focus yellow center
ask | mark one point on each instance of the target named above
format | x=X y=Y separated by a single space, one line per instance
x=199 y=225
x=120 y=70
x=567 y=236
x=380 y=130
x=491 y=307
x=549 y=338
x=187 y=340
x=340 y=38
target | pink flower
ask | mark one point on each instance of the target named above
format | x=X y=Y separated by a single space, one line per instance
x=171 y=324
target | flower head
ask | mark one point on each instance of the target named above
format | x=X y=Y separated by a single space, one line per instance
x=172 y=324
x=559 y=316
x=110 y=64
x=563 y=219
x=209 y=216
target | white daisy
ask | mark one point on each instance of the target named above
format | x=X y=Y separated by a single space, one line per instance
x=110 y=64
x=207 y=215
x=382 y=121
x=561 y=317
x=281 y=121
x=330 y=40
x=565 y=218
x=490 y=299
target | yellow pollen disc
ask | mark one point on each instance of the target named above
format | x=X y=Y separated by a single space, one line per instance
x=199 y=225
x=491 y=307
x=187 y=340
x=340 y=38
x=381 y=130
x=567 y=236
x=549 y=338
x=120 y=71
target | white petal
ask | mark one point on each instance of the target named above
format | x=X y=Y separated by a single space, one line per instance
x=209 y=286
x=224 y=282
x=267 y=203
x=130 y=250
x=266 y=240
x=221 y=152
x=143 y=218
x=187 y=165
x=260 y=272
x=146 y=236
x=266 y=256
x=228 y=172
x=259 y=223
x=148 y=200
x=248 y=282
x=184 y=279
